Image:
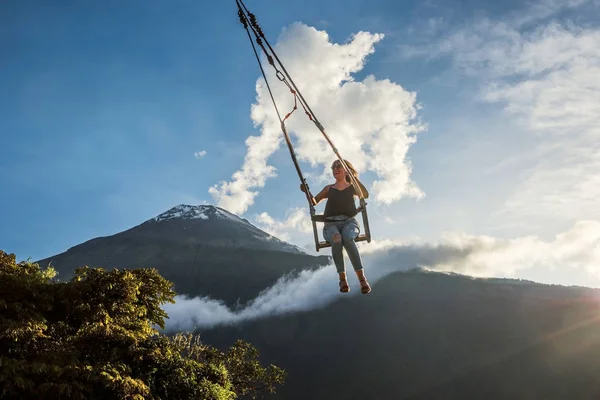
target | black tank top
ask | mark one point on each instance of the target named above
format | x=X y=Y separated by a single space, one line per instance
x=340 y=202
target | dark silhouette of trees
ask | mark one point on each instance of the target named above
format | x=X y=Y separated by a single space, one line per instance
x=96 y=337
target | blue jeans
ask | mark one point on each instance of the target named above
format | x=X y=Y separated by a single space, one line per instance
x=348 y=230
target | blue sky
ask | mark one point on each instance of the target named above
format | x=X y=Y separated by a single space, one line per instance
x=105 y=104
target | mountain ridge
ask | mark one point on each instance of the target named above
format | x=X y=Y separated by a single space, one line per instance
x=197 y=212
x=204 y=250
x=431 y=335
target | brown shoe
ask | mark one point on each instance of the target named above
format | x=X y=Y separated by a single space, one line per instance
x=364 y=286
x=344 y=288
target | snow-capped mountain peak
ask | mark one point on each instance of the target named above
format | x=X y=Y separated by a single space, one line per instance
x=238 y=231
x=185 y=211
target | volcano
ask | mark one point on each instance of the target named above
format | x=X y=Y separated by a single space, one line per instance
x=204 y=250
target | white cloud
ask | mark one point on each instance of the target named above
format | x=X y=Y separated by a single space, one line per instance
x=200 y=154
x=370 y=122
x=541 y=9
x=545 y=76
x=558 y=99
x=577 y=250
x=297 y=220
x=307 y=290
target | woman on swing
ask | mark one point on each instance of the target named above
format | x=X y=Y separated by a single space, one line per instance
x=341 y=228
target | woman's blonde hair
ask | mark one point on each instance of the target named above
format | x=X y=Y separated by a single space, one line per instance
x=350 y=168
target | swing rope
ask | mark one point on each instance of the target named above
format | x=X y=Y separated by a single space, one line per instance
x=260 y=37
x=281 y=77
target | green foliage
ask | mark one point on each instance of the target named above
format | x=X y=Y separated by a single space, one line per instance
x=94 y=337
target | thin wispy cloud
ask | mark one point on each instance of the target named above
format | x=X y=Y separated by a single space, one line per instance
x=200 y=154
x=558 y=99
x=541 y=9
x=577 y=249
x=543 y=74
x=373 y=122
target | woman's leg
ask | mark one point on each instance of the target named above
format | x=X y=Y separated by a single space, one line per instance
x=349 y=232
x=332 y=234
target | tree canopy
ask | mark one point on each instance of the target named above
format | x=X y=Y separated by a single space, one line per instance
x=95 y=337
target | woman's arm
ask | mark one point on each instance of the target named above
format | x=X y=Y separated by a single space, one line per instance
x=322 y=194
